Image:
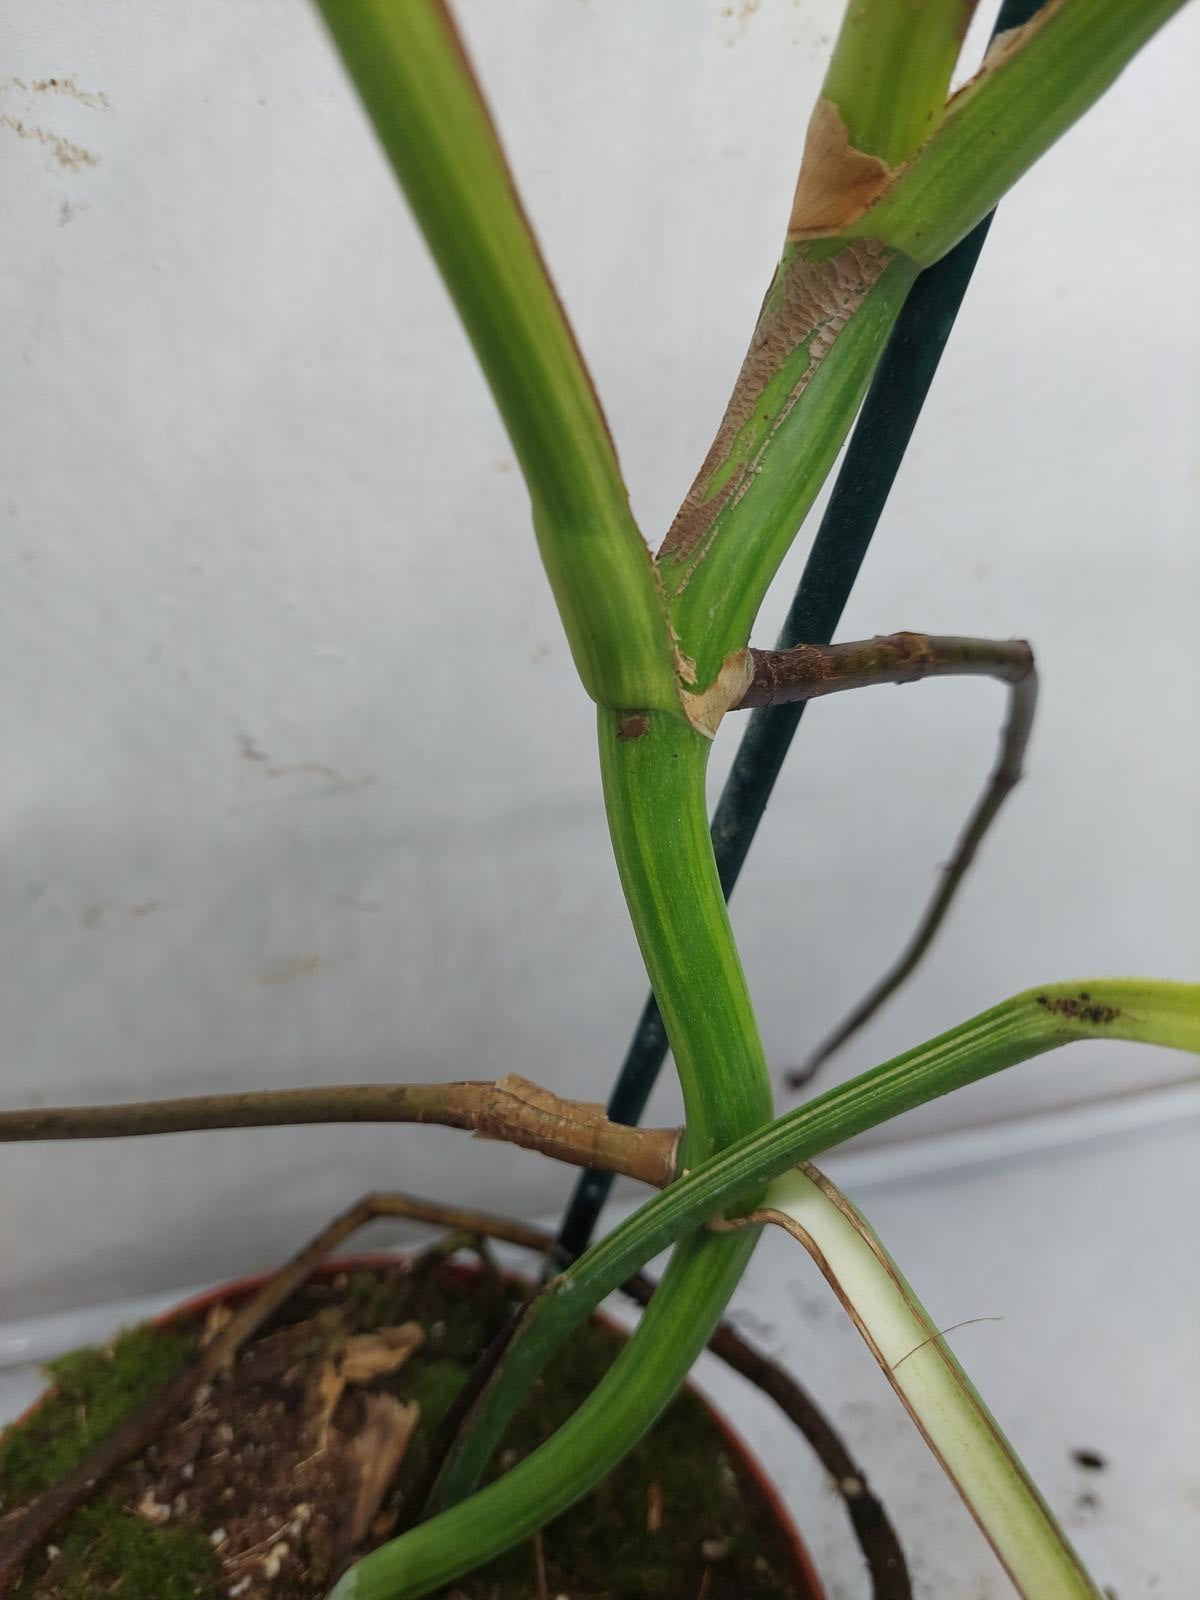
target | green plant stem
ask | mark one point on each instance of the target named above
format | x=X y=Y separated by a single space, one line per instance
x=591 y=1443
x=890 y=71
x=1024 y=98
x=657 y=816
x=653 y=769
x=412 y=75
x=819 y=334
x=1166 y=1014
x=836 y=294
x=409 y=67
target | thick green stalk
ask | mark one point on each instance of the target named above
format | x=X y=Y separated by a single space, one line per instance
x=1140 y=1009
x=408 y=66
x=1036 y=82
x=653 y=768
x=890 y=71
x=413 y=78
x=590 y=1444
x=1149 y=1012
x=818 y=337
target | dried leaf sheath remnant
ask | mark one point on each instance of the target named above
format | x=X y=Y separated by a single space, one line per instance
x=805 y=309
x=837 y=183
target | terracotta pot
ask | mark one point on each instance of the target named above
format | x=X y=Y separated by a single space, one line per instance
x=803 y=1574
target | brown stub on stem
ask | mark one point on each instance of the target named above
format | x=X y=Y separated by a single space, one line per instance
x=727 y=690
x=523 y=1113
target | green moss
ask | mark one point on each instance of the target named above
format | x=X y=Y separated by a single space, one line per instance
x=108 y=1551
x=95 y=1389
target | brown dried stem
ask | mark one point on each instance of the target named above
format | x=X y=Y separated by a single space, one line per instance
x=512 y=1109
x=782 y=677
x=804 y=673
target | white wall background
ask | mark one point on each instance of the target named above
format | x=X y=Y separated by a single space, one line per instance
x=250 y=481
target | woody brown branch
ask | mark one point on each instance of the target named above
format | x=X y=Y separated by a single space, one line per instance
x=511 y=1109
x=785 y=676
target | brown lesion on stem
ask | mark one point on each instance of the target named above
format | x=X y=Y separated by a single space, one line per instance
x=510 y=1108
x=808 y=304
x=1079 y=1008
x=785 y=676
x=633 y=725
x=837 y=183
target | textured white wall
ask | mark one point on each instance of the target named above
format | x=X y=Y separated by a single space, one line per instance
x=251 y=487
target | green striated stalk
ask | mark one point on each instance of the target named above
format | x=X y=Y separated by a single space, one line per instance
x=843 y=277
x=592 y=1442
x=658 y=819
x=890 y=71
x=414 y=80
x=823 y=325
x=822 y=328
x=998 y=125
x=1141 y=1009
x=653 y=768
x=408 y=65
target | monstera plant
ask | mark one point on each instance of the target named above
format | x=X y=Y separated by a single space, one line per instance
x=898 y=176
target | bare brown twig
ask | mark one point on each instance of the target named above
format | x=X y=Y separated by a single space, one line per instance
x=808 y=671
x=512 y=1108
x=782 y=677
